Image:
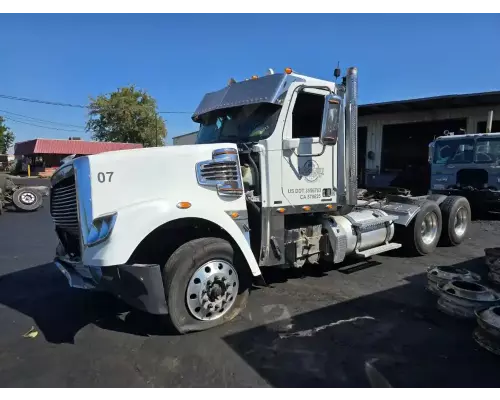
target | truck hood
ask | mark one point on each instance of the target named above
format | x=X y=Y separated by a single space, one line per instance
x=120 y=179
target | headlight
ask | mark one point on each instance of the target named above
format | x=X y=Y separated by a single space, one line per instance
x=101 y=229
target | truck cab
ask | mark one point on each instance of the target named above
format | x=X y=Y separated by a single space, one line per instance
x=467 y=165
x=271 y=181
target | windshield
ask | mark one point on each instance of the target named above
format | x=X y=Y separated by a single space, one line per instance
x=454 y=151
x=249 y=123
x=487 y=150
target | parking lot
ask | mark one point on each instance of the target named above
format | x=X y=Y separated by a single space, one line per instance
x=312 y=329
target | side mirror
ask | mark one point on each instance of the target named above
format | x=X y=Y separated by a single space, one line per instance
x=331 y=119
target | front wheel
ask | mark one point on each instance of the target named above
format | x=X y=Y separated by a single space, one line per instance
x=204 y=287
x=422 y=235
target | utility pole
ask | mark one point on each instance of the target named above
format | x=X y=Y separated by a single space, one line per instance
x=156 y=120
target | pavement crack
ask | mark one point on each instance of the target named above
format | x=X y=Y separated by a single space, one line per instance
x=311 y=332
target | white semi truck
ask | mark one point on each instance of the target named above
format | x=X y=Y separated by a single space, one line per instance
x=185 y=230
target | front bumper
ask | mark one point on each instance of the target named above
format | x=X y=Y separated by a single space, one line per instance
x=139 y=285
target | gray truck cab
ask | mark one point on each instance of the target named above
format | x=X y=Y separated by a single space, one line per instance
x=467 y=165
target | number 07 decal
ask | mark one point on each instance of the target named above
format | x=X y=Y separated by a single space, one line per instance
x=104 y=176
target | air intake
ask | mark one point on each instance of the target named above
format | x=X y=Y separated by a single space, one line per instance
x=222 y=172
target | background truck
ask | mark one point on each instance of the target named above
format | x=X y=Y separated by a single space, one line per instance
x=272 y=181
x=469 y=166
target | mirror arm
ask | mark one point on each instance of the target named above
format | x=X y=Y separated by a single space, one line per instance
x=311 y=155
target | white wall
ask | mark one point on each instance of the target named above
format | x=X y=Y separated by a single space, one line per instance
x=375 y=124
x=190 y=138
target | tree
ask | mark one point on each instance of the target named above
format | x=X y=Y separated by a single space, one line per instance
x=7 y=137
x=127 y=115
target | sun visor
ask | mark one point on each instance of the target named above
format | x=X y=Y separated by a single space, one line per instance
x=262 y=90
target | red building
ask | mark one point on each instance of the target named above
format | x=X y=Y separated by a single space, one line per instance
x=46 y=154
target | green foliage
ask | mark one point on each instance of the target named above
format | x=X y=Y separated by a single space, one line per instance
x=7 y=137
x=128 y=115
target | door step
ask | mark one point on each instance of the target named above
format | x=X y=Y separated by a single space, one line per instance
x=377 y=250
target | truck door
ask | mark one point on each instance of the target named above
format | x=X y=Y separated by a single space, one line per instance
x=309 y=168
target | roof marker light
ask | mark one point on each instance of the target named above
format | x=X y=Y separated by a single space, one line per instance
x=288 y=70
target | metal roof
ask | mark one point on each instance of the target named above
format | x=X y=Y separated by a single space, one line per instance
x=432 y=103
x=66 y=147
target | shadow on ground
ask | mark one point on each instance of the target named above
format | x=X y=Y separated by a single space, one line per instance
x=399 y=331
x=59 y=311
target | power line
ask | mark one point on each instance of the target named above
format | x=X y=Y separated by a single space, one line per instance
x=52 y=103
x=40 y=126
x=42 y=120
x=55 y=103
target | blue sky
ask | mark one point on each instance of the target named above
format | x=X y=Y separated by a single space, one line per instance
x=178 y=58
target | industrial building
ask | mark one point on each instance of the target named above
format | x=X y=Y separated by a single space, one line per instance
x=393 y=137
x=188 y=138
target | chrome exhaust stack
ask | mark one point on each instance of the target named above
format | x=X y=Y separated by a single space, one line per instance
x=351 y=136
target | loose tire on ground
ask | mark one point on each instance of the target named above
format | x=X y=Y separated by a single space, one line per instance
x=422 y=235
x=27 y=199
x=179 y=275
x=456 y=213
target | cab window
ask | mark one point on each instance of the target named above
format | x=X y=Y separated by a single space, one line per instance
x=307 y=115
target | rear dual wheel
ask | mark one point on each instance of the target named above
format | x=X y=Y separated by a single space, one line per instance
x=204 y=287
x=456 y=213
x=456 y=220
x=422 y=235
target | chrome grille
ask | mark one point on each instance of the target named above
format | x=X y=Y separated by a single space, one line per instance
x=63 y=207
x=64 y=211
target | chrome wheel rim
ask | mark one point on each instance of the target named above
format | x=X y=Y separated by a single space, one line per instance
x=429 y=228
x=461 y=221
x=212 y=290
x=27 y=198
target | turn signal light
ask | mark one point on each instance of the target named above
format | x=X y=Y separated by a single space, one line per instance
x=234 y=215
x=281 y=210
x=329 y=206
x=183 y=205
x=306 y=208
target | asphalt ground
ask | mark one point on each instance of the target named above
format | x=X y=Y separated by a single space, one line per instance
x=315 y=329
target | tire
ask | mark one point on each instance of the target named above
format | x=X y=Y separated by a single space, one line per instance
x=180 y=275
x=413 y=239
x=456 y=212
x=26 y=199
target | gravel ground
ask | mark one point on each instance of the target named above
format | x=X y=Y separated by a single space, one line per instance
x=316 y=329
